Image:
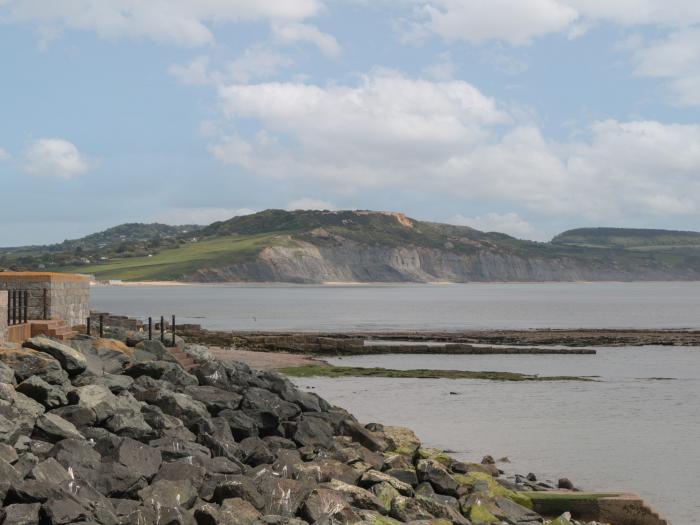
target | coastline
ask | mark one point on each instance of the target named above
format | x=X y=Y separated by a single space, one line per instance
x=365 y=283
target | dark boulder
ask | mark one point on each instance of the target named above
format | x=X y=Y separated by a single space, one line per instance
x=54 y=428
x=77 y=415
x=328 y=506
x=175 y=404
x=254 y=452
x=260 y=400
x=27 y=363
x=239 y=487
x=51 y=396
x=71 y=360
x=22 y=514
x=313 y=432
x=162 y=370
x=435 y=473
x=215 y=399
x=59 y=511
x=240 y=423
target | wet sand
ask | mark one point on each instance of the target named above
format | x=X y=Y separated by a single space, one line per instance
x=264 y=360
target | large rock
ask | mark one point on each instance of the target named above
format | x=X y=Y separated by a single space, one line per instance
x=438 y=476
x=239 y=487
x=27 y=363
x=408 y=509
x=59 y=511
x=54 y=428
x=366 y=438
x=51 y=396
x=7 y=375
x=402 y=440
x=258 y=400
x=143 y=460
x=71 y=360
x=328 y=506
x=175 y=404
x=313 y=432
x=170 y=493
x=372 y=477
x=215 y=399
x=357 y=496
x=103 y=355
x=50 y=471
x=22 y=514
x=165 y=371
x=81 y=417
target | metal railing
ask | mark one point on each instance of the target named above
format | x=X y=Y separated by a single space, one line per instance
x=19 y=303
x=89 y=328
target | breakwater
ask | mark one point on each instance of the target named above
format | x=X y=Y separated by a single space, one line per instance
x=98 y=431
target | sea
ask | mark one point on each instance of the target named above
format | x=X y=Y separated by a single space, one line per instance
x=635 y=429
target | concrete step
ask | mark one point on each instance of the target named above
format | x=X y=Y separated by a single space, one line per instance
x=185 y=361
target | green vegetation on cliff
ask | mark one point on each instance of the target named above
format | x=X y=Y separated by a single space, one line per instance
x=629 y=239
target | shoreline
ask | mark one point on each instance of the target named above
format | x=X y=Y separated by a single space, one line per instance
x=367 y=283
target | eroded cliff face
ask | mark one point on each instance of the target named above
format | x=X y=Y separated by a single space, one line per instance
x=304 y=262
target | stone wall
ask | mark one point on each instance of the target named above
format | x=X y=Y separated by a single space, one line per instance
x=52 y=295
x=3 y=316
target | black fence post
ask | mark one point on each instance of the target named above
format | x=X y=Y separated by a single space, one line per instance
x=150 y=328
x=14 y=307
x=26 y=306
x=46 y=305
x=162 y=329
x=87 y=326
x=172 y=328
x=102 y=326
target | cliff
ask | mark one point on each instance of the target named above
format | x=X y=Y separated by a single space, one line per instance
x=363 y=246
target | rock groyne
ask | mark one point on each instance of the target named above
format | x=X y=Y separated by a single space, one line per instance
x=100 y=432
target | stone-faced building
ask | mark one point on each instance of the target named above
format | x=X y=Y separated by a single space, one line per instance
x=42 y=302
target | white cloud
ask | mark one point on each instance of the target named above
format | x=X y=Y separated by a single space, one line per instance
x=513 y=21
x=54 y=158
x=306 y=203
x=199 y=215
x=518 y=22
x=182 y=22
x=298 y=32
x=4 y=155
x=510 y=223
x=447 y=138
x=256 y=62
x=677 y=59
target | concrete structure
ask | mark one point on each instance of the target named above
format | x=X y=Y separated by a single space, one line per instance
x=52 y=296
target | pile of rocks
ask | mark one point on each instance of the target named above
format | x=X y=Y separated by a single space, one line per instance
x=103 y=433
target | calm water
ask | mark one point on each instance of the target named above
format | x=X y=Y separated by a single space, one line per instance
x=627 y=432
x=413 y=307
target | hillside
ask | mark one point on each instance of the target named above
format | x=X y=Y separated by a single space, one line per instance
x=629 y=238
x=363 y=246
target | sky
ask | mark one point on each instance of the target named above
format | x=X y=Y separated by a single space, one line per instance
x=528 y=117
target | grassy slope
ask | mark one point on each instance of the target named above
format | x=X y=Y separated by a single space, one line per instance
x=173 y=263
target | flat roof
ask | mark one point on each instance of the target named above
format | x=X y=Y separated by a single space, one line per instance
x=42 y=276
